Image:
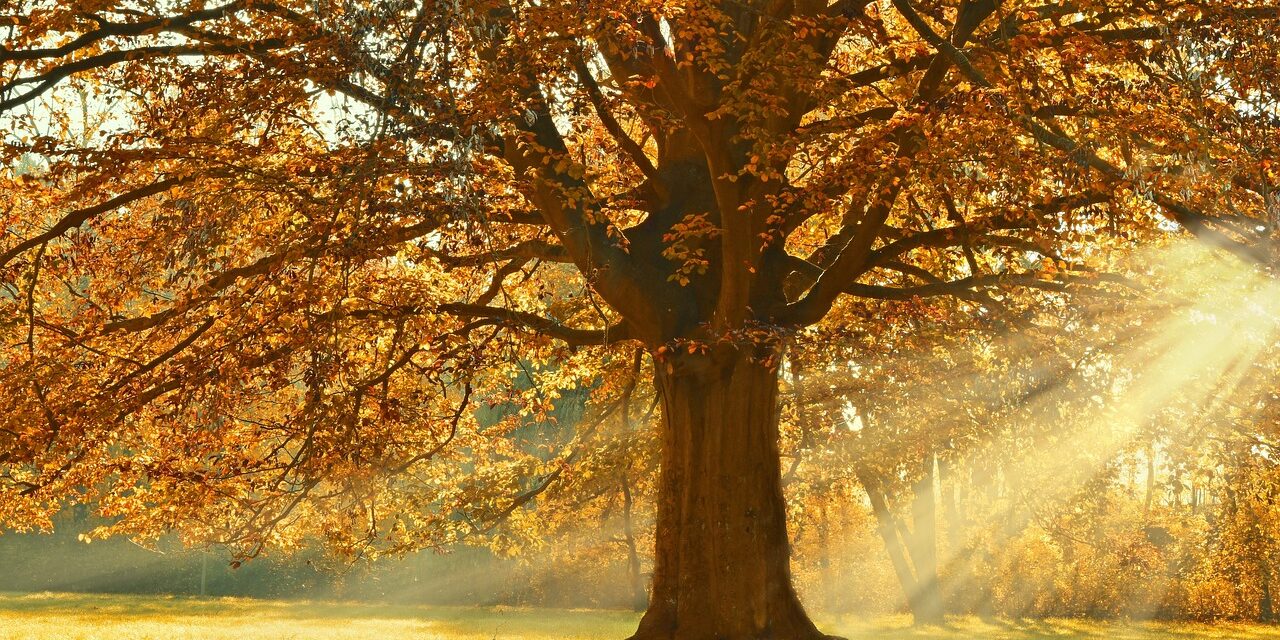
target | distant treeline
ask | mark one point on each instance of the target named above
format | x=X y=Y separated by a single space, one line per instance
x=61 y=561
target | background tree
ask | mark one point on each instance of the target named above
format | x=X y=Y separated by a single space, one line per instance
x=238 y=306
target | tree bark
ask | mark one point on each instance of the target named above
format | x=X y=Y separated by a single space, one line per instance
x=913 y=555
x=722 y=559
x=928 y=607
x=949 y=486
x=1151 y=481
x=1266 y=608
x=889 y=534
x=639 y=598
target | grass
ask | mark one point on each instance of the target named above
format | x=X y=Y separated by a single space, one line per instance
x=49 y=616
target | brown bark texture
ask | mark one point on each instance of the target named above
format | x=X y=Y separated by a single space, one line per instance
x=722 y=560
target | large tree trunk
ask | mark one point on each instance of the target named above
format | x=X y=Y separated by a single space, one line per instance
x=722 y=559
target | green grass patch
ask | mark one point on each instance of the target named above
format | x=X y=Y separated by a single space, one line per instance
x=63 y=616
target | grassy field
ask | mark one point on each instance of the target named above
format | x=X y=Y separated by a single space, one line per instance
x=49 y=616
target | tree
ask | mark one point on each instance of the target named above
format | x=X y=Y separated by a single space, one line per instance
x=235 y=300
x=900 y=411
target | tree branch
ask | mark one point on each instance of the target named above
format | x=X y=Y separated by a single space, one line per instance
x=541 y=324
x=80 y=216
x=1194 y=221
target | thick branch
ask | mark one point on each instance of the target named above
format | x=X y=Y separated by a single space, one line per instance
x=110 y=30
x=77 y=218
x=540 y=324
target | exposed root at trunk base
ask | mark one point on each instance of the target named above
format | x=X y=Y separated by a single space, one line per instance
x=651 y=635
x=777 y=616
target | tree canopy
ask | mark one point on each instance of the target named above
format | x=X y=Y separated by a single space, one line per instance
x=263 y=260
